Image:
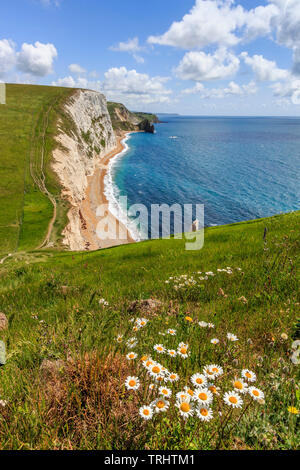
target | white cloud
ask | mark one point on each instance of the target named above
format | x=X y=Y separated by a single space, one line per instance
x=135 y=88
x=7 y=55
x=217 y=22
x=265 y=70
x=198 y=66
x=36 y=59
x=232 y=89
x=76 y=68
x=47 y=3
x=289 y=89
x=79 y=82
x=131 y=46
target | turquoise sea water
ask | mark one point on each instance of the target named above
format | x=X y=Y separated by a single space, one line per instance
x=239 y=168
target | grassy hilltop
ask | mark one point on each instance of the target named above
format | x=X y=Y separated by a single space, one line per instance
x=62 y=385
x=65 y=371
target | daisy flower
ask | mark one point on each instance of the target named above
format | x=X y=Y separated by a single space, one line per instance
x=132 y=342
x=172 y=352
x=213 y=371
x=160 y=405
x=203 y=324
x=159 y=378
x=183 y=350
x=135 y=328
x=165 y=392
x=214 y=341
x=256 y=393
x=249 y=375
x=155 y=369
x=146 y=412
x=232 y=337
x=130 y=356
x=185 y=407
x=159 y=348
x=211 y=325
x=119 y=338
x=189 y=391
x=203 y=396
x=240 y=386
x=204 y=413
x=233 y=399
x=172 y=332
x=173 y=377
x=132 y=383
x=213 y=388
x=199 y=380
x=151 y=386
x=183 y=396
x=141 y=322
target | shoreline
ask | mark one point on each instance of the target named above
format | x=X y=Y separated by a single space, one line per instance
x=96 y=195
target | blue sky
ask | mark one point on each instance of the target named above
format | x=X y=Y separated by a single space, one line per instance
x=211 y=57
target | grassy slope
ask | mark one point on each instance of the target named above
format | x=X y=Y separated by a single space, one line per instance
x=25 y=213
x=83 y=404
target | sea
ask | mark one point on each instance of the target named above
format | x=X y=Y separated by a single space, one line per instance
x=239 y=168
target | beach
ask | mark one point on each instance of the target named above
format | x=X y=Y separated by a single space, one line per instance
x=96 y=196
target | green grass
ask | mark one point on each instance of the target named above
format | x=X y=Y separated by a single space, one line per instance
x=25 y=212
x=52 y=302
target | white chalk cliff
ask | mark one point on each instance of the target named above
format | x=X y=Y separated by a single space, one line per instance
x=78 y=154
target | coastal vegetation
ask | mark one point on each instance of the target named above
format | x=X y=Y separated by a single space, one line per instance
x=81 y=327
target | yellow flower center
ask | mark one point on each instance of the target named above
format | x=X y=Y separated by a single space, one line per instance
x=204 y=411
x=144 y=358
x=160 y=379
x=132 y=383
x=202 y=396
x=255 y=393
x=199 y=381
x=146 y=412
x=155 y=370
x=248 y=375
x=233 y=400
x=189 y=319
x=164 y=391
x=142 y=323
x=160 y=404
x=172 y=376
x=183 y=350
x=213 y=389
x=215 y=369
x=238 y=385
x=185 y=407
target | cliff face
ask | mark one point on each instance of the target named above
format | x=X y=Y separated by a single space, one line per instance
x=80 y=148
x=124 y=120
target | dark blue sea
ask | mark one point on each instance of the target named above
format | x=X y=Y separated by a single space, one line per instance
x=240 y=168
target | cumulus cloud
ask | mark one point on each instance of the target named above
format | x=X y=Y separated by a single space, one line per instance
x=79 y=82
x=76 y=68
x=36 y=59
x=232 y=89
x=217 y=22
x=7 y=55
x=135 y=88
x=289 y=89
x=131 y=46
x=199 y=66
x=264 y=69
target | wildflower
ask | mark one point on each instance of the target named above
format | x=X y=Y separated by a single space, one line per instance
x=144 y=358
x=155 y=369
x=159 y=348
x=183 y=350
x=211 y=325
x=233 y=399
x=173 y=377
x=141 y=322
x=203 y=396
x=240 y=386
x=172 y=332
x=160 y=405
x=284 y=336
x=293 y=410
x=256 y=393
x=214 y=341
x=248 y=375
x=172 y=352
x=183 y=396
x=204 y=413
x=186 y=408
x=119 y=338
x=146 y=412
x=165 y=392
x=135 y=328
x=159 y=378
x=103 y=302
x=151 y=386
x=130 y=356
x=148 y=363
x=132 y=383
x=232 y=337
x=189 y=319
x=132 y=342
x=203 y=324
x=213 y=371
x=213 y=388
x=199 y=380
x=189 y=391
